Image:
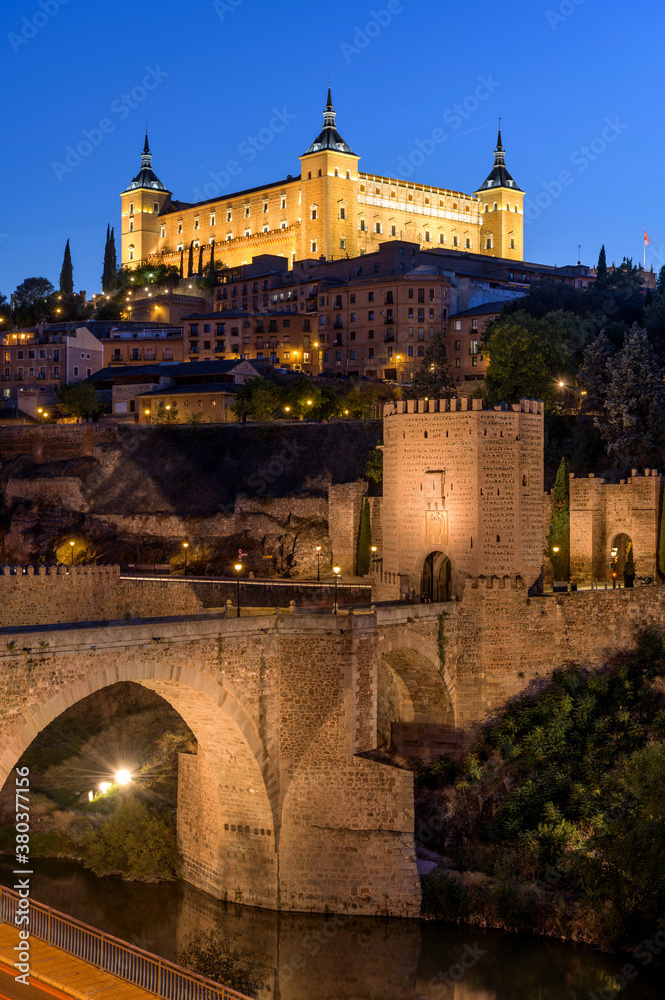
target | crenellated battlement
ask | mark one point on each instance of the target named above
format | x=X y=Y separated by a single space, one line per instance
x=462 y=404
x=60 y=569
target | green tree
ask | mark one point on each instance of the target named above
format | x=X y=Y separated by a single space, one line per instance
x=528 y=356
x=374 y=469
x=135 y=843
x=208 y=954
x=626 y=858
x=594 y=375
x=110 y=271
x=258 y=398
x=80 y=400
x=432 y=377
x=33 y=291
x=634 y=406
x=67 y=272
x=629 y=565
x=559 y=534
x=660 y=283
x=364 y=541
x=165 y=413
x=601 y=269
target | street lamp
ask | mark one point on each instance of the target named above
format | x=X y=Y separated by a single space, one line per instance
x=72 y=548
x=238 y=569
x=336 y=572
x=318 y=562
x=373 y=550
x=185 y=546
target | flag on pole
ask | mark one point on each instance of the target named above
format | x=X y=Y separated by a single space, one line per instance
x=647 y=241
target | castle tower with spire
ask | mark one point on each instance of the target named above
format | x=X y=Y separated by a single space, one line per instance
x=331 y=209
x=502 y=207
x=142 y=202
x=329 y=185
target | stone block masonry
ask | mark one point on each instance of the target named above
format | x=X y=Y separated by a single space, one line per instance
x=41 y=595
x=462 y=494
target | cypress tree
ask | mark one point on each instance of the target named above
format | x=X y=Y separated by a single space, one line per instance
x=67 y=273
x=190 y=262
x=212 y=261
x=559 y=536
x=601 y=269
x=182 y=263
x=105 y=269
x=365 y=541
x=200 y=270
x=113 y=261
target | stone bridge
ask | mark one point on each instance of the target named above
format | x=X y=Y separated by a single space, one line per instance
x=287 y=805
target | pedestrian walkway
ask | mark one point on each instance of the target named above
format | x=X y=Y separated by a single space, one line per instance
x=56 y=968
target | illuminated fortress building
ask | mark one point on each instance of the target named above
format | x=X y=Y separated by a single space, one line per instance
x=330 y=210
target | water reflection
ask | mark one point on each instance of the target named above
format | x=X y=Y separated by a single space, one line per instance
x=338 y=958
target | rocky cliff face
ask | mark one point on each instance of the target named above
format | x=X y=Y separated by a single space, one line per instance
x=262 y=489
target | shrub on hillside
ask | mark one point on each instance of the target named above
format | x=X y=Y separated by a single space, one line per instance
x=135 y=843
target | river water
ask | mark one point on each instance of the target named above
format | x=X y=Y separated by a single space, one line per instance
x=317 y=957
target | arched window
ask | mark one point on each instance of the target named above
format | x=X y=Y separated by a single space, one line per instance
x=309 y=176
x=319 y=173
x=507 y=206
x=377 y=190
x=517 y=208
x=131 y=252
x=496 y=206
x=487 y=208
x=336 y=172
x=348 y=175
x=488 y=243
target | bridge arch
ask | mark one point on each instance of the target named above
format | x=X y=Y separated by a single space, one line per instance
x=228 y=819
x=414 y=690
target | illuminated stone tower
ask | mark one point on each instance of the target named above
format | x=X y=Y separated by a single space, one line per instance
x=142 y=203
x=329 y=194
x=501 y=208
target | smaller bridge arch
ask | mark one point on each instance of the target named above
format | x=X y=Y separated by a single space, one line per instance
x=415 y=692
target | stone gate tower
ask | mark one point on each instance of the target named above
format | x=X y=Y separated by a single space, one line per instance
x=462 y=495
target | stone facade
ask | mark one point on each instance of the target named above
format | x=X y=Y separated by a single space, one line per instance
x=600 y=513
x=463 y=489
x=331 y=208
x=41 y=595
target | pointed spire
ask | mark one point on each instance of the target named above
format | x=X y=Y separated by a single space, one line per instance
x=499 y=176
x=146 y=177
x=329 y=138
x=146 y=147
x=329 y=112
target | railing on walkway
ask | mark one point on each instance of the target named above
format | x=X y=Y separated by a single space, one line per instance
x=111 y=954
x=327 y=584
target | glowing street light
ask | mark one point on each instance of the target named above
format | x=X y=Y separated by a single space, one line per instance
x=72 y=546
x=238 y=569
x=185 y=546
x=318 y=562
x=105 y=787
x=336 y=572
x=123 y=777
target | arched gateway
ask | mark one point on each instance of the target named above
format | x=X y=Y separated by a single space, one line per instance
x=436 y=577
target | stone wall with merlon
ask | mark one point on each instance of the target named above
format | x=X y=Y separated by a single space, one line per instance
x=464 y=482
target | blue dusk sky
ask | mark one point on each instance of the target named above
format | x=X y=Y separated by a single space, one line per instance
x=576 y=82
